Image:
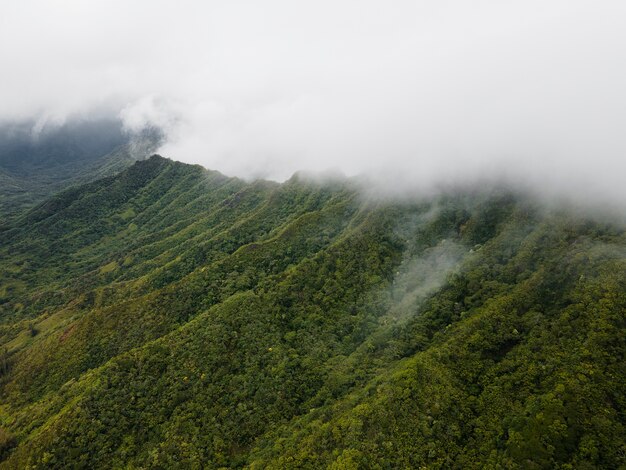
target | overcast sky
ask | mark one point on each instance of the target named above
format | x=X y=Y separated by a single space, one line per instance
x=415 y=91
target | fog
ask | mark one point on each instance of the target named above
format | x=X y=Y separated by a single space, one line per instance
x=413 y=94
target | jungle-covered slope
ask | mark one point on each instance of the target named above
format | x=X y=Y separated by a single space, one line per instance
x=39 y=161
x=172 y=317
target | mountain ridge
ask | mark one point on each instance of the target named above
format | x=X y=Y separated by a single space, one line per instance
x=35 y=166
x=172 y=316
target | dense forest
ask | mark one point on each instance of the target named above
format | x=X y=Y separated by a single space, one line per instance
x=38 y=160
x=168 y=316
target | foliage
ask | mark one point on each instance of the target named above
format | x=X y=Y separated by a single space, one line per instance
x=187 y=319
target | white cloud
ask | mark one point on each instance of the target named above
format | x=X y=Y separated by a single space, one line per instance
x=419 y=91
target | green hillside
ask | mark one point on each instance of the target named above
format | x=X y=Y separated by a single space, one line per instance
x=34 y=167
x=171 y=317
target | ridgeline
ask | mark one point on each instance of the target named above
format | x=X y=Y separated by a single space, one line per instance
x=171 y=317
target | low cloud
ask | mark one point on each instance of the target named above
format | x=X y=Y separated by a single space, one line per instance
x=414 y=94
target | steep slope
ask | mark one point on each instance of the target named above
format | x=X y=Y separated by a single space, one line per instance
x=34 y=166
x=173 y=317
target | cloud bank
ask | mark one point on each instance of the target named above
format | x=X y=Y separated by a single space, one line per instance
x=415 y=92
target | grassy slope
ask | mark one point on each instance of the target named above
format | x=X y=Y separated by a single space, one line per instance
x=170 y=316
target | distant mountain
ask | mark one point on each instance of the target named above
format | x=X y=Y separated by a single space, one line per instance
x=172 y=317
x=36 y=163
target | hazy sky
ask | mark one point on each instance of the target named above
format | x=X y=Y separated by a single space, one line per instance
x=412 y=91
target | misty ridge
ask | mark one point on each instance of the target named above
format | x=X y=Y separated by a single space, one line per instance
x=40 y=143
x=39 y=158
x=27 y=146
x=337 y=234
x=414 y=96
x=176 y=316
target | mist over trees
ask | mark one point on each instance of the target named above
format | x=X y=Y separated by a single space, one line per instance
x=39 y=159
x=349 y=234
x=185 y=319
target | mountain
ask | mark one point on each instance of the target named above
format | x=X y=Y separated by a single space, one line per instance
x=37 y=163
x=172 y=317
